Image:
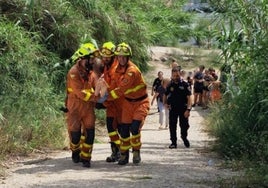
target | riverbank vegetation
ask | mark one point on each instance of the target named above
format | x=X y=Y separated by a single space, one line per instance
x=239 y=121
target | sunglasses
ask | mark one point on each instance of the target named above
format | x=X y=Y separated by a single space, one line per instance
x=106 y=51
x=95 y=54
x=123 y=49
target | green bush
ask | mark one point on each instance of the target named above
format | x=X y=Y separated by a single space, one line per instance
x=28 y=103
x=240 y=120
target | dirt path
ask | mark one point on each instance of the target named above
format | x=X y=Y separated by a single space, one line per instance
x=160 y=167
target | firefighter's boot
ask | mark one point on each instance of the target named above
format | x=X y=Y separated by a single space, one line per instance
x=86 y=163
x=86 y=147
x=76 y=156
x=115 y=153
x=75 y=146
x=136 y=157
x=124 y=156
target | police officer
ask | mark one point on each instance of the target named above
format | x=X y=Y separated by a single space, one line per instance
x=177 y=99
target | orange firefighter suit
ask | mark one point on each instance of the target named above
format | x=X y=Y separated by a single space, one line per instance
x=132 y=88
x=81 y=115
x=131 y=85
x=113 y=108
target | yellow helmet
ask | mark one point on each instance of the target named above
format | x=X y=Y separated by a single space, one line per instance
x=107 y=49
x=87 y=49
x=123 y=49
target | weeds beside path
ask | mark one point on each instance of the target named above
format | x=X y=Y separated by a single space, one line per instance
x=161 y=167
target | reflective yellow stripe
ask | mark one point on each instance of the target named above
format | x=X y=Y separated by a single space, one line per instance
x=112 y=133
x=85 y=154
x=88 y=93
x=113 y=94
x=125 y=147
x=125 y=144
x=87 y=96
x=74 y=147
x=136 y=136
x=117 y=142
x=82 y=140
x=131 y=90
x=125 y=139
x=135 y=145
x=87 y=146
x=86 y=150
x=135 y=140
x=114 y=137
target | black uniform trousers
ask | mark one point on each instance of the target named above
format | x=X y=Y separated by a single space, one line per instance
x=174 y=115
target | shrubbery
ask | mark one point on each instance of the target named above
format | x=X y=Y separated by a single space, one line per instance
x=28 y=102
x=240 y=120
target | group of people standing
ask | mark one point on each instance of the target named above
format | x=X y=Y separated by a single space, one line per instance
x=206 y=87
x=105 y=78
x=174 y=101
x=173 y=97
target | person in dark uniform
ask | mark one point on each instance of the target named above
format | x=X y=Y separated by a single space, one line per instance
x=177 y=99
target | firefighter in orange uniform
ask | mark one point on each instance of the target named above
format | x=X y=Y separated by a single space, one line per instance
x=113 y=108
x=81 y=102
x=132 y=88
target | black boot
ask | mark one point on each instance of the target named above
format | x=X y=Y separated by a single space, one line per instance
x=86 y=163
x=115 y=153
x=124 y=158
x=136 y=156
x=76 y=156
x=87 y=147
x=75 y=146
